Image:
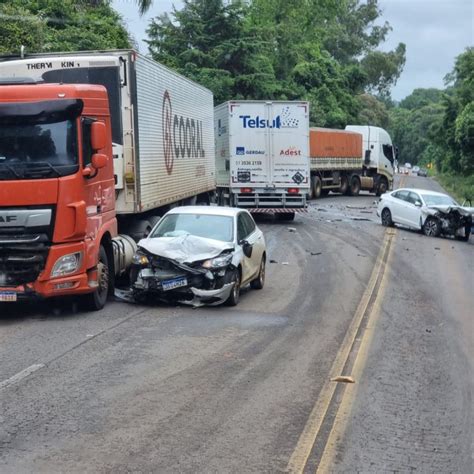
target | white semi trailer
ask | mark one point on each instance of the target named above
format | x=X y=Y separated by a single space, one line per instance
x=262 y=156
x=162 y=127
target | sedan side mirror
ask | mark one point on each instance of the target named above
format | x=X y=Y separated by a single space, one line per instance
x=418 y=203
x=247 y=248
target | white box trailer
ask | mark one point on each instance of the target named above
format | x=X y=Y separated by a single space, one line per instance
x=262 y=155
x=162 y=123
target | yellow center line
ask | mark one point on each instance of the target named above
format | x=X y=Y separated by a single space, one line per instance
x=344 y=411
x=316 y=418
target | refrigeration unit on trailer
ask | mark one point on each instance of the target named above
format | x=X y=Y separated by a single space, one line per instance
x=162 y=126
x=348 y=161
x=262 y=155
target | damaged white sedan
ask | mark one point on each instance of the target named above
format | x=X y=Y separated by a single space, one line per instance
x=433 y=213
x=200 y=255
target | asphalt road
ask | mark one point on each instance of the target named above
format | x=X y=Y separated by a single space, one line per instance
x=248 y=389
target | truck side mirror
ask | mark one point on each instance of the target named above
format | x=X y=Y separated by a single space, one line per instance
x=98 y=136
x=99 y=161
x=367 y=157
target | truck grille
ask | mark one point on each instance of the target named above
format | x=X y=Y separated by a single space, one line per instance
x=21 y=264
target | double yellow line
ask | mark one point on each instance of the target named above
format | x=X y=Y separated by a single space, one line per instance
x=361 y=328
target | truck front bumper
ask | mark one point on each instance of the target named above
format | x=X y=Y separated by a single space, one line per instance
x=44 y=286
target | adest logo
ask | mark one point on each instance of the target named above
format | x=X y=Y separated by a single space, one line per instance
x=182 y=136
x=290 y=152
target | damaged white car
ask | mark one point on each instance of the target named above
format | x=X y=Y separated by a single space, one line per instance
x=200 y=255
x=433 y=213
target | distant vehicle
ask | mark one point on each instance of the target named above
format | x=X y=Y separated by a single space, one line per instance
x=433 y=213
x=423 y=172
x=408 y=166
x=200 y=255
x=415 y=169
x=348 y=161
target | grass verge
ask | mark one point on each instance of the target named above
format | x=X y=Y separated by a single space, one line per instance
x=461 y=187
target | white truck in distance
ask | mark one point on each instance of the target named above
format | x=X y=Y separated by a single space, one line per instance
x=361 y=157
x=162 y=128
x=262 y=156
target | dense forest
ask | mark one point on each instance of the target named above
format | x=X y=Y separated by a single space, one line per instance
x=324 y=51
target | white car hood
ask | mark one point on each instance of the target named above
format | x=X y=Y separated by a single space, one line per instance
x=185 y=248
x=446 y=209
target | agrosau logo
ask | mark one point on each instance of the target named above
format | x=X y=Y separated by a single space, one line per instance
x=182 y=136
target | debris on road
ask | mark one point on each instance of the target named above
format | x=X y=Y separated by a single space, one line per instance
x=343 y=378
x=291 y=229
x=124 y=295
x=437 y=248
x=284 y=263
x=273 y=261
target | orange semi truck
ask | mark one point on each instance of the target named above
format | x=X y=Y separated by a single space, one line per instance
x=57 y=215
x=87 y=168
x=348 y=161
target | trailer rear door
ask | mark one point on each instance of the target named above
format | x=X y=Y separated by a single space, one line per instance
x=269 y=145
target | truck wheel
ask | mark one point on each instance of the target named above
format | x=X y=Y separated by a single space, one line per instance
x=432 y=227
x=317 y=187
x=355 y=186
x=344 y=187
x=96 y=301
x=382 y=187
x=234 y=296
x=258 y=283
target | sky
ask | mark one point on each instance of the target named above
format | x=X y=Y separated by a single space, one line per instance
x=434 y=31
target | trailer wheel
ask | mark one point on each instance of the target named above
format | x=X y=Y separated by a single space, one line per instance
x=355 y=186
x=286 y=216
x=96 y=301
x=344 y=187
x=316 y=186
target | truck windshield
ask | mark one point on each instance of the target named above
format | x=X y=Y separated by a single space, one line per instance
x=37 y=141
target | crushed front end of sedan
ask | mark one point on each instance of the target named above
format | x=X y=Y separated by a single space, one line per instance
x=448 y=220
x=186 y=269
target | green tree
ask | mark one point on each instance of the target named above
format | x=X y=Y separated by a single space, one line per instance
x=59 y=25
x=211 y=42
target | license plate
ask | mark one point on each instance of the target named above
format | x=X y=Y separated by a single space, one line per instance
x=175 y=283
x=7 y=296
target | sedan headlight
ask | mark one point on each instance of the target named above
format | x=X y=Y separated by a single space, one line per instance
x=218 y=262
x=67 y=264
x=140 y=259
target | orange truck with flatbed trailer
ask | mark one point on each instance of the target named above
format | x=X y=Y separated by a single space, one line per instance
x=348 y=161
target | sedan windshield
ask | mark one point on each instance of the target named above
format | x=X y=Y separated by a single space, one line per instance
x=200 y=225
x=438 y=200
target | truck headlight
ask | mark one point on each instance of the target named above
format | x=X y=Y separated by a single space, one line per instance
x=218 y=262
x=140 y=259
x=67 y=264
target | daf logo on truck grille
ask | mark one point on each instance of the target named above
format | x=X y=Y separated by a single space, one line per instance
x=8 y=219
x=182 y=136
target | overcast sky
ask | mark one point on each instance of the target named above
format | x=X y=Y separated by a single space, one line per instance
x=434 y=31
